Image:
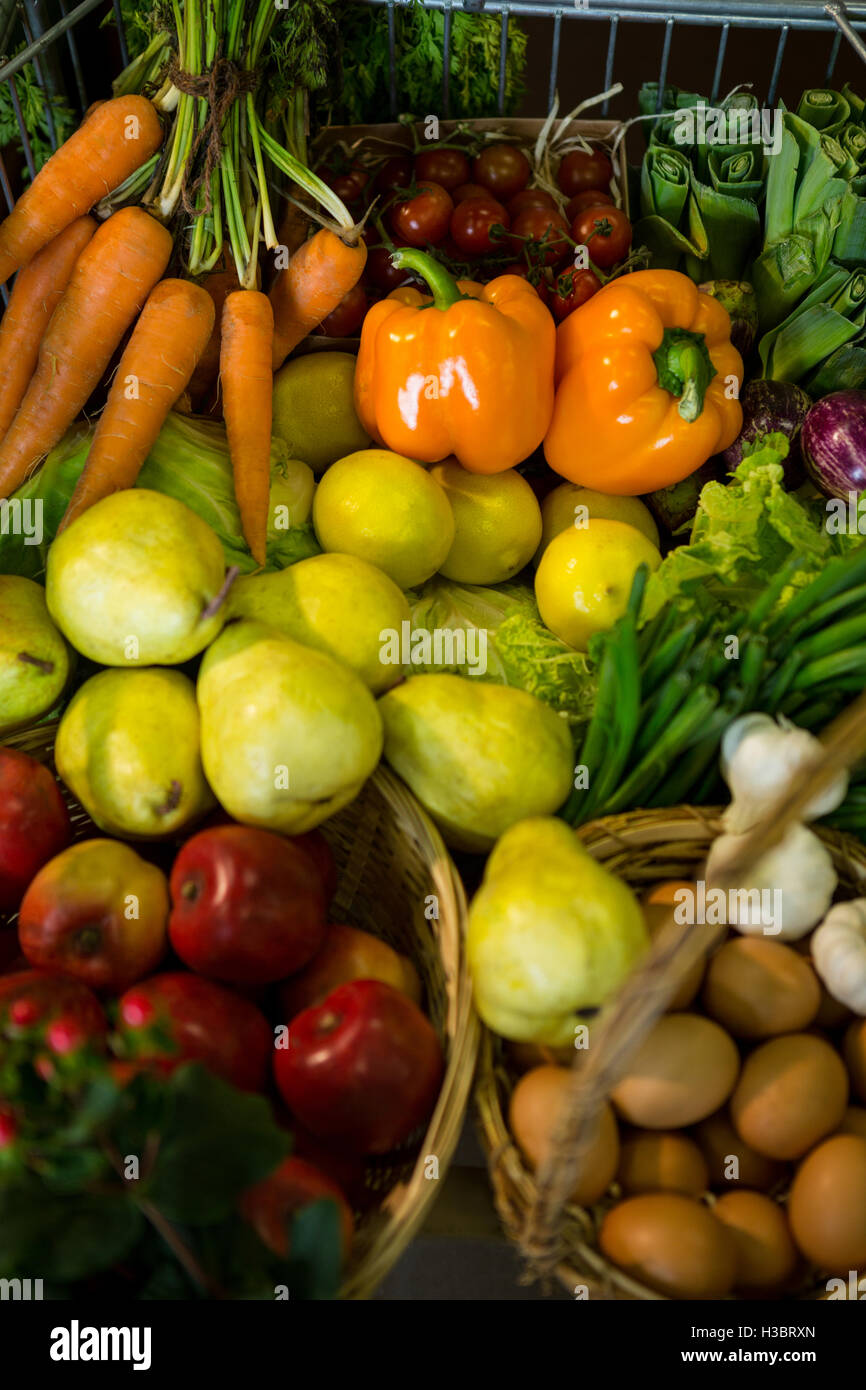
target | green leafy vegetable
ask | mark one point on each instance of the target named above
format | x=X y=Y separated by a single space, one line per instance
x=37 y=110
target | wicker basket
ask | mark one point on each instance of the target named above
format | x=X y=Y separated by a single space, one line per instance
x=642 y=847
x=391 y=861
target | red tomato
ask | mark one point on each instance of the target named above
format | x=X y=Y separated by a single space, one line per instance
x=503 y=169
x=605 y=232
x=469 y=190
x=590 y=198
x=573 y=288
x=364 y=1067
x=348 y=184
x=425 y=217
x=381 y=274
x=530 y=198
x=396 y=172
x=293 y=1185
x=203 y=1021
x=584 y=169
x=472 y=222
x=346 y=319
x=248 y=906
x=542 y=225
x=448 y=168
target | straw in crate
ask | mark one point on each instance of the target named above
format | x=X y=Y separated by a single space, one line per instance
x=391 y=863
x=644 y=848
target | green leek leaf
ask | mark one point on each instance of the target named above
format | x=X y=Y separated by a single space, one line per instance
x=824 y=108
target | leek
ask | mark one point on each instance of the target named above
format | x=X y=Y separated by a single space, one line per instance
x=824 y=109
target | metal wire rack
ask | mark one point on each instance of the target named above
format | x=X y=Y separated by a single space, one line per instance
x=836 y=19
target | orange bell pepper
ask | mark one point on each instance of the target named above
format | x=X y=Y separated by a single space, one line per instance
x=646 y=385
x=469 y=374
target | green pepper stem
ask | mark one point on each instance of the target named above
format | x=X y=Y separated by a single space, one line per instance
x=442 y=286
x=685 y=369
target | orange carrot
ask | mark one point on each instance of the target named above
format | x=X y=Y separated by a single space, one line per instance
x=317 y=277
x=201 y=387
x=112 y=278
x=109 y=146
x=247 y=387
x=156 y=366
x=36 y=293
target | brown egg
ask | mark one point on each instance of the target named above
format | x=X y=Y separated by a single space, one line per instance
x=731 y=1161
x=854 y=1121
x=536 y=1103
x=827 y=1204
x=791 y=1093
x=766 y=1254
x=654 y=1161
x=757 y=988
x=672 y=1243
x=656 y=905
x=831 y=1014
x=855 y=1056
x=683 y=1071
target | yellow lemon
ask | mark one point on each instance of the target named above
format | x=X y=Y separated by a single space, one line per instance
x=314 y=408
x=570 y=505
x=497 y=523
x=585 y=576
x=387 y=510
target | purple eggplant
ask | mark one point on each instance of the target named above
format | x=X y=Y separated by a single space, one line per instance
x=833 y=441
x=772 y=407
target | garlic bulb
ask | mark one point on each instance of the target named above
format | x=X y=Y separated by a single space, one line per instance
x=839 y=953
x=758 y=759
x=788 y=890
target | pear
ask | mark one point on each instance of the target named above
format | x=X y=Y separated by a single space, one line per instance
x=137 y=580
x=551 y=933
x=288 y=734
x=336 y=603
x=477 y=756
x=128 y=749
x=35 y=662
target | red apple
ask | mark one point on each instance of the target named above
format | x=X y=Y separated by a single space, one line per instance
x=317 y=847
x=248 y=906
x=205 y=1023
x=269 y=1205
x=34 y=823
x=37 y=1000
x=348 y=954
x=98 y=912
x=364 y=1067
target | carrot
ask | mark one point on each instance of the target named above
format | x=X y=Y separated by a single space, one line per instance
x=317 y=277
x=110 y=145
x=156 y=366
x=112 y=278
x=247 y=387
x=36 y=293
x=218 y=284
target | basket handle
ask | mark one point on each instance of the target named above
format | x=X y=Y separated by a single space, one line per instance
x=626 y=1021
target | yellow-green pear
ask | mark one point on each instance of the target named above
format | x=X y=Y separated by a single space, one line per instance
x=552 y=933
x=477 y=756
x=137 y=580
x=34 y=659
x=288 y=734
x=336 y=603
x=128 y=749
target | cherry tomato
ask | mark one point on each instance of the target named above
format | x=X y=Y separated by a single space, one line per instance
x=584 y=169
x=449 y=168
x=346 y=319
x=396 y=172
x=530 y=198
x=425 y=217
x=573 y=288
x=605 y=232
x=542 y=225
x=381 y=274
x=472 y=222
x=469 y=190
x=589 y=198
x=348 y=184
x=503 y=169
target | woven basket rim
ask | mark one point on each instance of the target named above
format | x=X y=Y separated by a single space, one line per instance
x=407 y=1204
x=683 y=828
